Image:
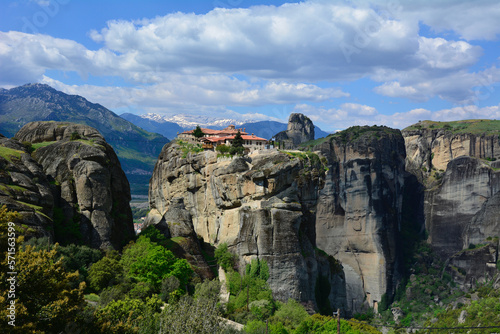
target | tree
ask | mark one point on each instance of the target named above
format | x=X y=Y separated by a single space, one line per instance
x=129 y=316
x=45 y=300
x=149 y=262
x=198 y=133
x=106 y=271
x=200 y=315
x=237 y=144
x=291 y=313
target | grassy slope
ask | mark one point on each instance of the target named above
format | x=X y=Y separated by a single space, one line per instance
x=474 y=126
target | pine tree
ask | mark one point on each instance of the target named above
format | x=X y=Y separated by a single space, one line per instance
x=198 y=133
x=237 y=144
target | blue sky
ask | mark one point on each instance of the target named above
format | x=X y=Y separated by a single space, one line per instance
x=342 y=63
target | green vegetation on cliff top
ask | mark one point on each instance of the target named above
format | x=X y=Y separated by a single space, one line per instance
x=474 y=126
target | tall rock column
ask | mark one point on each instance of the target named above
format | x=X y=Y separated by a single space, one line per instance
x=359 y=210
x=300 y=129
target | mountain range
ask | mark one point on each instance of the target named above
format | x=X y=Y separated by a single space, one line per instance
x=136 y=148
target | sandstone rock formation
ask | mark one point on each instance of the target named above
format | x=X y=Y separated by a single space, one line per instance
x=25 y=189
x=450 y=207
x=431 y=147
x=456 y=164
x=262 y=206
x=291 y=207
x=300 y=130
x=91 y=192
x=359 y=209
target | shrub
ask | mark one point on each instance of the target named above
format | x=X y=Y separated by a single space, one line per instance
x=224 y=257
x=75 y=136
x=223 y=149
x=291 y=313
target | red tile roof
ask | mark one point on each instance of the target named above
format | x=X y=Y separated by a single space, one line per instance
x=248 y=137
x=230 y=130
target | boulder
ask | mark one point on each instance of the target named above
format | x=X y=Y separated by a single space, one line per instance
x=91 y=193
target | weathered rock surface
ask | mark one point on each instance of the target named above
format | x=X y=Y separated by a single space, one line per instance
x=485 y=223
x=471 y=267
x=300 y=129
x=25 y=189
x=359 y=209
x=262 y=206
x=451 y=206
x=461 y=182
x=288 y=209
x=433 y=148
x=177 y=223
x=89 y=186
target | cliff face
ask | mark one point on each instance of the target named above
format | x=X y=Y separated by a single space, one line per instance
x=289 y=208
x=91 y=193
x=456 y=164
x=359 y=210
x=24 y=188
x=262 y=206
x=300 y=129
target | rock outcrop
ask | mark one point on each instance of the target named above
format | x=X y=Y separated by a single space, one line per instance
x=24 y=188
x=262 y=206
x=455 y=161
x=474 y=266
x=91 y=193
x=359 y=210
x=299 y=211
x=300 y=129
x=430 y=146
x=177 y=224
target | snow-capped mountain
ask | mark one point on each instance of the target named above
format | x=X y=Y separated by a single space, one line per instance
x=189 y=122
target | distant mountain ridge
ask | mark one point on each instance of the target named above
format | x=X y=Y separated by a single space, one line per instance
x=169 y=126
x=136 y=148
x=190 y=121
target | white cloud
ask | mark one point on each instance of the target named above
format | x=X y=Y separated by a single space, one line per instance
x=348 y=114
x=471 y=20
x=284 y=49
x=460 y=87
x=42 y=3
x=183 y=93
x=295 y=41
x=438 y=53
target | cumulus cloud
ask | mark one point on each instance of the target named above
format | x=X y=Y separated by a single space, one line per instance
x=471 y=20
x=460 y=87
x=280 y=51
x=182 y=93
x=306 y=41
